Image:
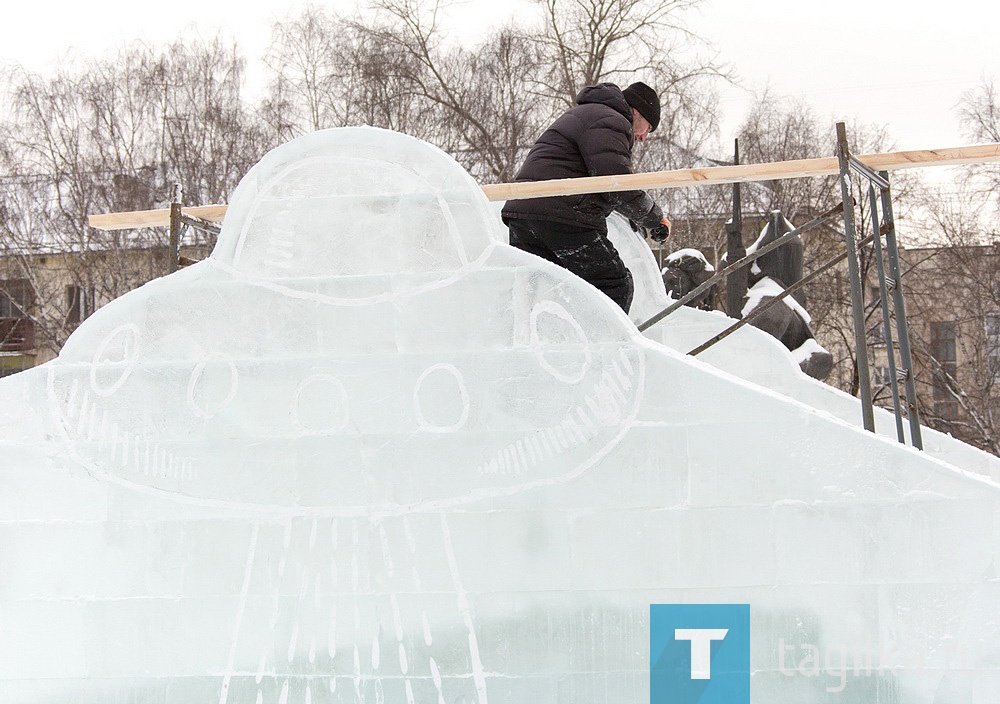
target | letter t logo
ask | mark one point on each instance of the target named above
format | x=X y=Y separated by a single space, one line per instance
x=701 y=648
x=699 y=654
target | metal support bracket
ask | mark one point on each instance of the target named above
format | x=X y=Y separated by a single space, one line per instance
x=868 y=173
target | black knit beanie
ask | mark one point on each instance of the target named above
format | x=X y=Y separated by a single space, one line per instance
x=644 y=99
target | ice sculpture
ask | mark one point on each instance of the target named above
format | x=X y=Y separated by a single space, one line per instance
x=367 y=452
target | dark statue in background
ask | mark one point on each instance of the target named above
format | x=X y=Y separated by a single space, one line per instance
x=684 y=271
x=769 y=275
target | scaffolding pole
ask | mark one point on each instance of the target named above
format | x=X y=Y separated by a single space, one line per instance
x=176 y=224
x=854 y=275
x=902 y=327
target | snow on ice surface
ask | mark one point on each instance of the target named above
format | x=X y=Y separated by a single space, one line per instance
x=367 y=452
x=806 y=350
x=769 y=287
x=688 y=252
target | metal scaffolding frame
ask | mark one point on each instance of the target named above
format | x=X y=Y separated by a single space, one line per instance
x=179 y=220
x=890 y=286
x=880 y=201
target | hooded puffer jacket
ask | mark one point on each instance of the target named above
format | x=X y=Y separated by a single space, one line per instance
x=592 y=139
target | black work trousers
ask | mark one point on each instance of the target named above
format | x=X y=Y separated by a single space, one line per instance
x=582 y=250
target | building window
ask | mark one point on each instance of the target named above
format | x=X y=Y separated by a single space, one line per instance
x=16 y=298
x=12 y=364
x=882 y=377
x=944 y=350
x=876 y=335
x=17 y=329
x=880 y=351
x=991 y=340
x=875 y=299
x=79 y=304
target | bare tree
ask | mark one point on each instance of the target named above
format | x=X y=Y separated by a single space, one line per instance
x=953 y=307
x=305 y=60
x=332 y=71
x=382 y=84
x=211 y=137
x=781 y=129
x=486 y=104
x=979 y=113
x=481 y=101
x=590 y=41
x=583 y=42
x=112 y=135
x=979 y=116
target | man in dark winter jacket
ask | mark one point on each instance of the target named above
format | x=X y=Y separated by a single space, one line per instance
x=595 y=138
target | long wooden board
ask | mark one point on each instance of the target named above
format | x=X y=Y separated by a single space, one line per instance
x=799 y=168
x=153 y=218
x=715 y=175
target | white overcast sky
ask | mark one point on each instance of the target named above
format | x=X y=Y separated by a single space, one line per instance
x=881 y=61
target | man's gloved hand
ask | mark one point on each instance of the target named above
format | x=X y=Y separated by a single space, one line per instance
x=660 y=233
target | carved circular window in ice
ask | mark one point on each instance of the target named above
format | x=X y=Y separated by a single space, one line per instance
x=559 y=342
x=114 y=360
x=321 y=405
x=212 y=385
x=440 y=399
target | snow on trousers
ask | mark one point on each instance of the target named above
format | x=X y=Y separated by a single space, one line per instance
x=582 y=250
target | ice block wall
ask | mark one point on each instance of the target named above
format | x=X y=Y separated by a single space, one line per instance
x=367 y=452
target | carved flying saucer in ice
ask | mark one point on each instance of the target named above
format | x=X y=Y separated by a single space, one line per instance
x=355 y=202
x=361 y=340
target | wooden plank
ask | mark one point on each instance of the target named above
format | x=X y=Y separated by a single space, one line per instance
x=800 y=168
x=714 y=175
x=153 y=218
